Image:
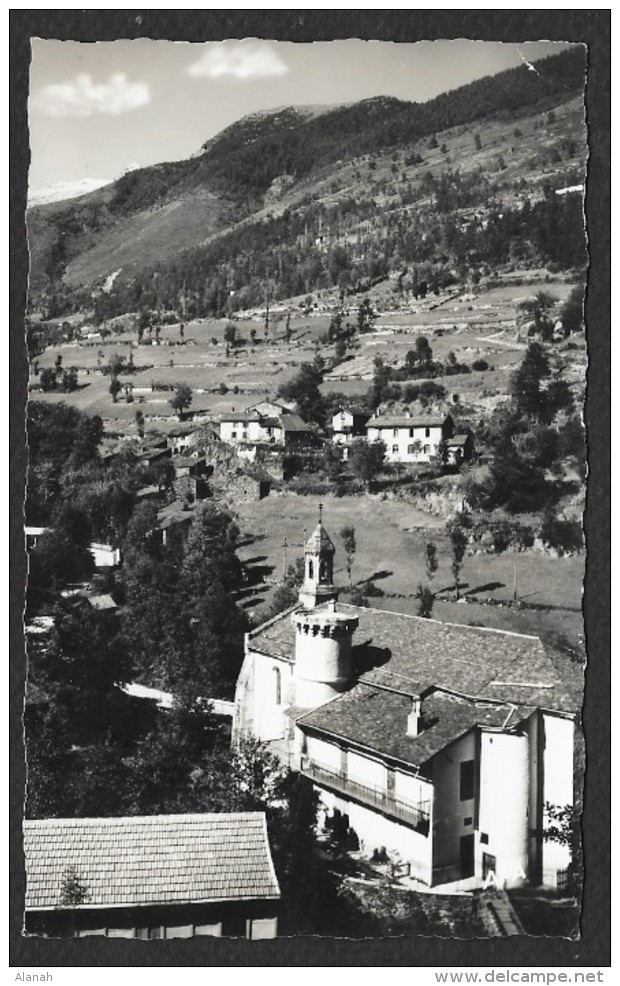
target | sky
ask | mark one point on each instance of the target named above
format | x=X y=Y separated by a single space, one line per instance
x=97 y=110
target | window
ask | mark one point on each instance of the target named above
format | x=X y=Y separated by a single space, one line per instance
x=411 y=433
x=411 y=449
x=484 y=838
x=467 y=856
x=310 y=569
x=468 y=820
x=263 y=928
x=278 y=685
x=394 y=448
x=427 y=449
x=395 y=433
x=180 y=931
x=466 y=785
x=209 y=930
x=233 y=434
x=427 y=432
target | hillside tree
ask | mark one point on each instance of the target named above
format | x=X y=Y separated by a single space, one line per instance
x=366 y=459
x=181 y=400
x=347 y=534
x=430 y=557
x=458 y=541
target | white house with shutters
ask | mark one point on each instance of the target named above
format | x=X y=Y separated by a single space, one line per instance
x=256 y=426
x=443 y=745
x=410 y=438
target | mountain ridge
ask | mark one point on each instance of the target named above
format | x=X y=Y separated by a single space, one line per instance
x=293 y=158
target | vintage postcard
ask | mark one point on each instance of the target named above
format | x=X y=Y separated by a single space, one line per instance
x=307 y=470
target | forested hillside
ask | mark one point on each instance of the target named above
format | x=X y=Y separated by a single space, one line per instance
x=300 y=200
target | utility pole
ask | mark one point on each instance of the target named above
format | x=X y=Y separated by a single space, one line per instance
x=284 y=567
x=514 y=582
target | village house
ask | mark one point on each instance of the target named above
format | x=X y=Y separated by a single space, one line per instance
x=459 y=449
x=348 y=423
x=104 y=555
x=174 y=519
x=154 y=876
x=253 y=427
x=439 y=744
x=242 y=485
x=410 y=438
x=190 y=481
x=182 y=439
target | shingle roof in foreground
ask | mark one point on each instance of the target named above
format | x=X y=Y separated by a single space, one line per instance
x=155 y=859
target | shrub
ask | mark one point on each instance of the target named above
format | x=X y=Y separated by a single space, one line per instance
x=425 y=599
x=357 y=596
x=563 y=535
x=373 y=591
x=480 y=365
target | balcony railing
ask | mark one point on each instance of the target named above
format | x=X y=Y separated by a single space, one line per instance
x=417 y=816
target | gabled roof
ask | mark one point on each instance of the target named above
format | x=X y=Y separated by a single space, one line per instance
x=357 y=412
x=174 y=513
x=155 y=859
x=241 y=416
x=402 y=421
x=458 y=440
x=475 y=662
x=292 y=422
x=376 y=719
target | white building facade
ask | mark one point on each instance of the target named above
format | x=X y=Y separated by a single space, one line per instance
x=408 y=438
x=440 y=745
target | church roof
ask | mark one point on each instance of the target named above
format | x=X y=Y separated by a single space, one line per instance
x=320 y=541
x=403 y=652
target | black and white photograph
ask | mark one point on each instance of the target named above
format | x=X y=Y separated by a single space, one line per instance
x=307 y=468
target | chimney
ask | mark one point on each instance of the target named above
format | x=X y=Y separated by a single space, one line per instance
x=414 y=719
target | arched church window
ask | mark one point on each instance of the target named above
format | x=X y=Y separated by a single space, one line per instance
x=323 y=572
x=310 y=569
x=278 y=685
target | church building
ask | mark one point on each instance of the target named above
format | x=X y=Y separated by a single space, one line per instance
x=442 y=745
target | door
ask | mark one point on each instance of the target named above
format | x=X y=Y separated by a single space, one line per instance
x=489 y=864
x=467 y=856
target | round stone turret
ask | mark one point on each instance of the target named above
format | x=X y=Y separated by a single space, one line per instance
x=322 y=655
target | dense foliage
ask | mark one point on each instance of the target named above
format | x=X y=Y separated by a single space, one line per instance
x=535 y=442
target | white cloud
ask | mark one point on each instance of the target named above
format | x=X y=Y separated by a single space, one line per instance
x=243 y=60
x=81 y=96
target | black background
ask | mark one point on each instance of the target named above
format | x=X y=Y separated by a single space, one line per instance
x=589 y=26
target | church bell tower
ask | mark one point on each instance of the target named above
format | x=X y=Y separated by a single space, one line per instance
x=318 y=586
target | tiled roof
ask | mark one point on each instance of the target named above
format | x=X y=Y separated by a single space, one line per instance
x=377 y=719
x=243 y=416
x=292 y=422
x=473 y=661
x=405 y=422
x=156 y=859
x=458 y=440
x=357 y=412
x=174 y=513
